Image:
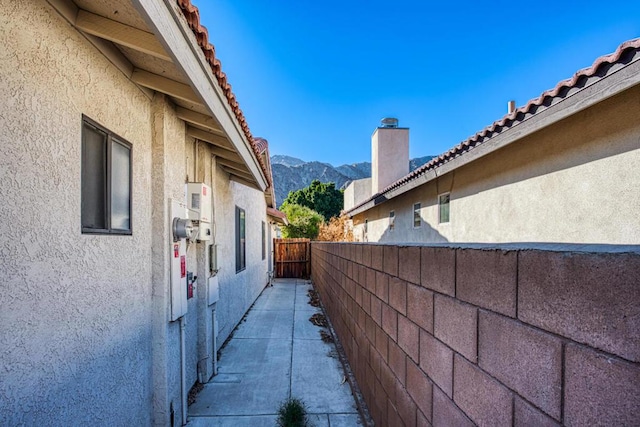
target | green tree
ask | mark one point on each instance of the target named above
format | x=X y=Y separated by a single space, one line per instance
x=303 y=222
x=323 y=198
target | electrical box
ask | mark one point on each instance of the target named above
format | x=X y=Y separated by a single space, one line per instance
x=180 y=230
x=200 y=209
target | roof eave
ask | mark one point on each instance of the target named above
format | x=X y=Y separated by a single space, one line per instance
x=173 y=32
x=605 y=88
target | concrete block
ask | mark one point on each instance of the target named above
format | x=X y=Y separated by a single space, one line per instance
x=388 y=381
x=366 y=255
x=436 y=359
x=398 y=294
x=376 y=257
x=446 y=413
x=366 y=301
x=525 y=415
x=483 y=399
x=382 y=344
x=356 y=254
x=591 y=298
x=398 y=362
x=438 y=269
x=370 y=281
x=405 y=405
x=409 y=338
x=599 y=389
x=390 y=321
x=382 y=286
x=390 y=260
x=522 y=358
x=456 y=325
x=381 y=402
x=421 y=420
x=487 y=278
x=376 y=310
x=409 y=264
x=419 y=388
x=370 y=329
x=393 y=418
x=420 y=306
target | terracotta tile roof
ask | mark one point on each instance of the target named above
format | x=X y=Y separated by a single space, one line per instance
x=261 y=144
x=565 y=88
x=192 y=15
x=277 y=214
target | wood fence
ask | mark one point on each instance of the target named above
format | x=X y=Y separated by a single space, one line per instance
x=293 y=258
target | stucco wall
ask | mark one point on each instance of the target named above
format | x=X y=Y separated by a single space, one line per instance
x=75 y=332
x=576 y=181
x=85 y=331
x=238 y=290
x=357 y=191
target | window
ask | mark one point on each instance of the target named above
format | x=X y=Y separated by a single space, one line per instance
x=366 y=230
x=392 y=218
x=417 y=220
x=443 y=205
x=106 y=181
x=264 y=240
x=241 y=261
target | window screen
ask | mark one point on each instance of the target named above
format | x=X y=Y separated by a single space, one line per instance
x=106 y=181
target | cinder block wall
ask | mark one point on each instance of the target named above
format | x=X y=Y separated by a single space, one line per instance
x=451 y=336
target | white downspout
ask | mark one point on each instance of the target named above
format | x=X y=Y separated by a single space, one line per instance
x=183 y=370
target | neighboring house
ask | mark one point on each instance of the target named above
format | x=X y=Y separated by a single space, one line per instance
x=108 y=110
x=563 y=168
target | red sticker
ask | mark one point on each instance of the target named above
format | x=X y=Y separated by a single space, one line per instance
x=176 y=251
x=183 y=266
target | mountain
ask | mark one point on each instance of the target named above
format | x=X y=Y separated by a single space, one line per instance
x=291 y=174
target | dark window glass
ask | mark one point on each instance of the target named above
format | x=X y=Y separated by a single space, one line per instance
x=417 y=219
x=443 y=202
x=240 y=240
x=264 y=240
x=106 y=181
x=94 y=172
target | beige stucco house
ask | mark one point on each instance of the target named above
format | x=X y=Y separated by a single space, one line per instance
x=563 y=168
x=108 y=109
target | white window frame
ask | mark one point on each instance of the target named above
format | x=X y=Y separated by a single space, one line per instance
x=440 y=206
x=417 y=210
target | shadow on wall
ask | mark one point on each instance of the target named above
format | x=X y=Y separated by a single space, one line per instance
x=425 y=234
x=111 y=382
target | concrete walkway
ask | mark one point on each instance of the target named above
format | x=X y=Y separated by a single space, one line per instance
x=276 y=353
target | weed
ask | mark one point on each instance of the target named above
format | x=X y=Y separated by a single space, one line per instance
x=292 y=413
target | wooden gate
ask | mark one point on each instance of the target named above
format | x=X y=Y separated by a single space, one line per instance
x=293 y=258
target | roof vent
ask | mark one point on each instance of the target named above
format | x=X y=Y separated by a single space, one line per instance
x=511 y=106
x=389 y=122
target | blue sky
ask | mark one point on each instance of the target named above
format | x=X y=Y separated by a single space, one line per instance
x=315 y=78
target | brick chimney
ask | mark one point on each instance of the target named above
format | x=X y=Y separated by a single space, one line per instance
x=389 y=154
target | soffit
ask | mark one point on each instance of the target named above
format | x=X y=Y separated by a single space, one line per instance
x=116 y=28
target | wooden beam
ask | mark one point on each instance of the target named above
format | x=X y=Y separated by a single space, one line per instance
x=216 y=140
x=242 y=174
x=165 y=85
x=234 y=165
x=242 y=181
x=195 y=118
x=121 y=34
x=226 y=154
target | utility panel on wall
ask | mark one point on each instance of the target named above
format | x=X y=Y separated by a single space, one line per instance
x=200 y=209
x=181 y=230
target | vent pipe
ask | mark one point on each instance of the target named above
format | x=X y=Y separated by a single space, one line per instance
x=511 y=106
